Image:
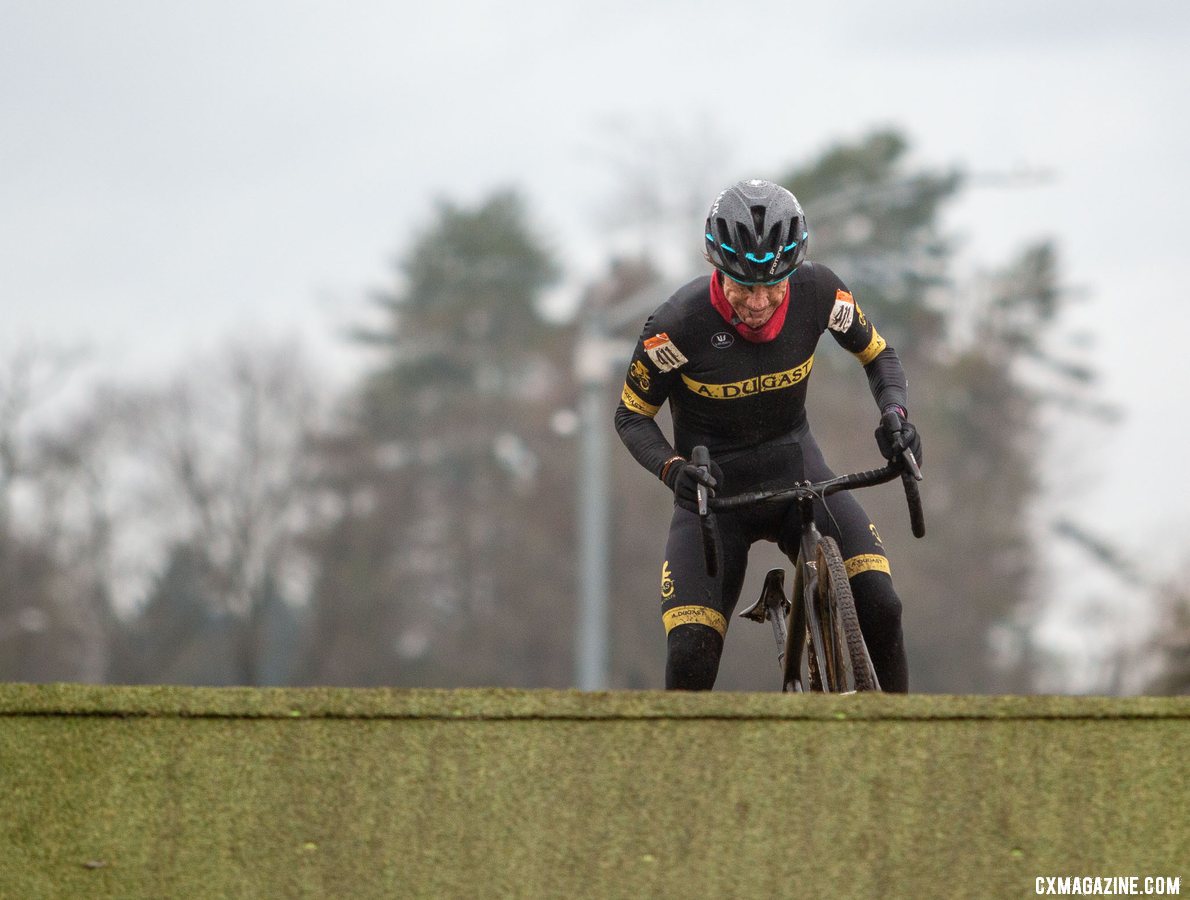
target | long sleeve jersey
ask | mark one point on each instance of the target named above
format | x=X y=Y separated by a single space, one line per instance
x=734 y=394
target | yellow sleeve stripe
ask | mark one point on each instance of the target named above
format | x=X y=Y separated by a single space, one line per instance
x=873 y=349
x=869 y=562
x=695 y=615
x=637 y=405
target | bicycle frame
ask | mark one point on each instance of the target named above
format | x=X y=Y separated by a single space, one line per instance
x=792 y=618
x=803 y=616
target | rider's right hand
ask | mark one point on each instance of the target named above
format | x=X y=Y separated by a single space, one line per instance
x=683 y=478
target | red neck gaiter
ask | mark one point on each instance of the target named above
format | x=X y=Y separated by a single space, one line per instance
x=761 y=335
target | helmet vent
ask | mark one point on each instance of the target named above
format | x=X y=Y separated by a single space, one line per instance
x=758 y=219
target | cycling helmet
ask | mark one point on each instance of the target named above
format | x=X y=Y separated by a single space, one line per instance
x=756 y=232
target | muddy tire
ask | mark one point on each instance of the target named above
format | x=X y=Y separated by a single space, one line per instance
x=840 y=624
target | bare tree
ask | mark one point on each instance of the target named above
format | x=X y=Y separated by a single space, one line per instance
x=662 y=176
x=32 y=377
x=1172 y=639
x=224 y=478
x=54 y=528
x=224 y=451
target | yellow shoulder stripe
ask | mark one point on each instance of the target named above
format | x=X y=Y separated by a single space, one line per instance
x=633 y=401
x=868 y=562
x=873 y=349
x=695 y=615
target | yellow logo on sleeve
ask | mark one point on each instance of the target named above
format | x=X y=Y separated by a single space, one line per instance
x=640 y=374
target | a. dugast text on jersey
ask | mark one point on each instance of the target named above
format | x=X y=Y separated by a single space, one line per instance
x=750 y=387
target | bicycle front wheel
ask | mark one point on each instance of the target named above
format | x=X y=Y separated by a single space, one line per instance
x=849 y=664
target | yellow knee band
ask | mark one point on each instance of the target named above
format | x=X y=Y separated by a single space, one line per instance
x=868 y=562
x=694 y=615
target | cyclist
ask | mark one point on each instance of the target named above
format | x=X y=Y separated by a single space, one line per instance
x=732 y=352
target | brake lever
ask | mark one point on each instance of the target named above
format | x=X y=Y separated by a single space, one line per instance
x=910 y=462
x=702 y=458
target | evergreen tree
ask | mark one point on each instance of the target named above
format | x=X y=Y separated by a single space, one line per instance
x=878 y=223
x=454 y=493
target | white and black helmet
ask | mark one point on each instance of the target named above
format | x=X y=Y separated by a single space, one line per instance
x=756 y=232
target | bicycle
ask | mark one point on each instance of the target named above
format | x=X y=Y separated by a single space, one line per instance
x=825 y=621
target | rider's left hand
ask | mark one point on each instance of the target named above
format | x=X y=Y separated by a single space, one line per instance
x=891 y=443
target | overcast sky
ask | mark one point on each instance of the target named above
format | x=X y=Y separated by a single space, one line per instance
x=171 y=173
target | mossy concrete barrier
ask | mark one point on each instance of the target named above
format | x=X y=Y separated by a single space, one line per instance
x=193 y=792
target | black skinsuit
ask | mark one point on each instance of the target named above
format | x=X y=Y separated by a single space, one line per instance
x=745 y=401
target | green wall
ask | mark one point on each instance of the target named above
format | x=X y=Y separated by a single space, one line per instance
x=195 y=792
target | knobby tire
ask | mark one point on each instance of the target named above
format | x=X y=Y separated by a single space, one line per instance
x=835 y=587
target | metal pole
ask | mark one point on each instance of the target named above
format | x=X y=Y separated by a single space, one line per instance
x=595 y=361
x=591 y=637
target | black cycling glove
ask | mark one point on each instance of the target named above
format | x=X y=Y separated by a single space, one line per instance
x=892 y=440
x=683 y=477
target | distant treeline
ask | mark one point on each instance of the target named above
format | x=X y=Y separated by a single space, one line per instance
x=241 y=524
